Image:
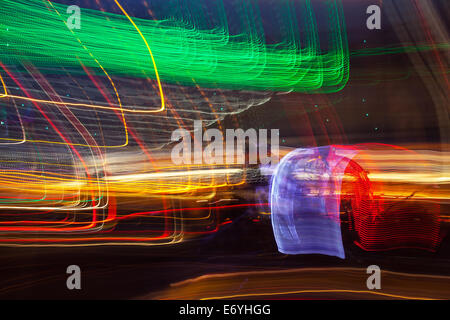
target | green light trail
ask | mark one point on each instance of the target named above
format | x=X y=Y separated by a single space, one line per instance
x=31 y=31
